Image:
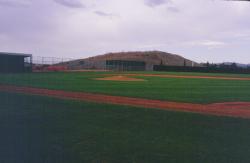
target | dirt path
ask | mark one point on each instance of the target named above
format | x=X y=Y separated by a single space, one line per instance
x=231 y=109
x=190 y=77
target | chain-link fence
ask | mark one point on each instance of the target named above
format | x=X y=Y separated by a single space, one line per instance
x=41 y=64
x=49 y=60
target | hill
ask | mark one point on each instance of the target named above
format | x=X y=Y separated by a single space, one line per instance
x=149 y=57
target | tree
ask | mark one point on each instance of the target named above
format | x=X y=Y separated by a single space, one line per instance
x=161 y=62
x=208 y=64
x=234 y=65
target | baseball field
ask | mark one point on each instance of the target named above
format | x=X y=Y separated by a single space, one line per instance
x=124 y=117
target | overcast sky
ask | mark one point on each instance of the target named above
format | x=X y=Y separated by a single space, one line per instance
x=213 y=30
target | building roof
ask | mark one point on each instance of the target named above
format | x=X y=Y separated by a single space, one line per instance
x=16 y=54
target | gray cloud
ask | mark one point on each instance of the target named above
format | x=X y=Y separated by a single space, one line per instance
x=153 y=3
x=15 y=3
x=104 y=14
x=211 y=44
x=71 y=3
x=173 y=9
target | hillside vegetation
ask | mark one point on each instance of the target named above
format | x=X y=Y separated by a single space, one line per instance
x=149 y=57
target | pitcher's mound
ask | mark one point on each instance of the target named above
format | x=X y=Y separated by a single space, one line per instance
x=120 y=78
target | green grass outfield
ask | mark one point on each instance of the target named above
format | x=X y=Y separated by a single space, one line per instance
x=40 y=129
x=172 y=89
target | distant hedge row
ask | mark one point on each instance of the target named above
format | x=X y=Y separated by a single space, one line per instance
x=237 y=70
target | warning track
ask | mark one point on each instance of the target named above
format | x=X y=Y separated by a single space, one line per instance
x=231 y=109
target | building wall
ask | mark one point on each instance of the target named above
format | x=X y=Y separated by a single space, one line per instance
x=86 y=64
x=121 y=65
x=11 y=64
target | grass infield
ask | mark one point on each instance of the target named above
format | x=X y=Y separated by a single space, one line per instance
x=171 y=89
x=41 y=129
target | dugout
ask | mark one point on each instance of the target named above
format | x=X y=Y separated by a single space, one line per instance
x=123 y=65
x=15 y=62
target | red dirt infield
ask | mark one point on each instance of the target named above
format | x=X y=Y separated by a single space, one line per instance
x=230 y=109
